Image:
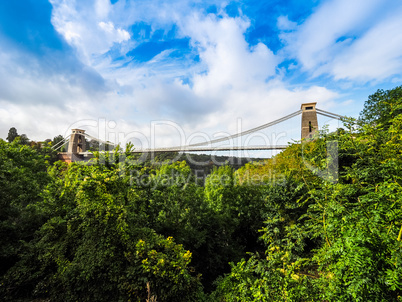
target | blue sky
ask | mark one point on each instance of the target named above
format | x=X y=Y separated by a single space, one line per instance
x=201 y=65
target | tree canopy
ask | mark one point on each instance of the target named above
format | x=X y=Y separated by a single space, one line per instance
x=12 y=134
x=305 y=225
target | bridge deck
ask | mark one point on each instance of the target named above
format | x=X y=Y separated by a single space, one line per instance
x=203 y=149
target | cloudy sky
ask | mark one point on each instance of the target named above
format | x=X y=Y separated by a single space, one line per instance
x=204 y=66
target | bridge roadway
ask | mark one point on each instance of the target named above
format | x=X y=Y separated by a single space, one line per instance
x=203 y=149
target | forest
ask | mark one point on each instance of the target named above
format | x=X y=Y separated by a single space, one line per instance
x=308 y=224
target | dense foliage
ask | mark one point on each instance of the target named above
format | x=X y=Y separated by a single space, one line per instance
x=335 y=237
x=319 y=222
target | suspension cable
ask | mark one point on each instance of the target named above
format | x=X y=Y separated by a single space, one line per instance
x=247 y=131
x=329 y=114
x=264 y=126
x=99 y=140
x=61 y=143
x=66 y=143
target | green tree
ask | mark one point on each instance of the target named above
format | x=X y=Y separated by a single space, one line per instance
x=23 y=176
x=12 y=134
x=92 y=145
x=333 y=241
x=382 y=106
x=24 y=140
x=176 y=206
x=96 y=246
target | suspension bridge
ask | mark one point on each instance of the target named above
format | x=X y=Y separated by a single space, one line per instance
x=76 y=141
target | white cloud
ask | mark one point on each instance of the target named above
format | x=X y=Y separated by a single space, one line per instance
x=232 y=80
x=314 y=41
x=376 y=55
x=103 y=8
x=117 y=35
x=285 y=24
x=356 y=40
x=90 y=34
x=230 y=62
x=233 y=85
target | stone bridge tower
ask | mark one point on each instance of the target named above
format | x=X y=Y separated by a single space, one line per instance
x=77 y=142
x=309 y=124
